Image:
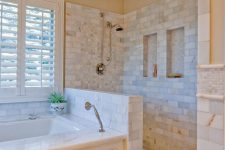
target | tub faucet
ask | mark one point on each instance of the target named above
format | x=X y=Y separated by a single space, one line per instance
x=88 y=106
x=33 y=116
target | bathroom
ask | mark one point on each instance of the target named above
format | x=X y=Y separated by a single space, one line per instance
x=112 y=75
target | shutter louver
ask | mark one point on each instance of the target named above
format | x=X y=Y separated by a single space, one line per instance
x=8 y=43
x=40 y=47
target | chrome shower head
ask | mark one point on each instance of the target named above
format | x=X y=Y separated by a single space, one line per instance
x=116 y=26
x=119 y=28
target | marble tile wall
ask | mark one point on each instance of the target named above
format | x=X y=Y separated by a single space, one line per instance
x=119 y=112
x=169 y=104
x=14 y=109
x=83 y=49
x=175 y=51
x=210 y=107
x=204 y=32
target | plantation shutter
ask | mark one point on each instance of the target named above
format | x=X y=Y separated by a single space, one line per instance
x=31 y=49
x=8 y=43
x=39 y=47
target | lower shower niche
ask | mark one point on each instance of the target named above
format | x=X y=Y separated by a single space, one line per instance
x=175 y=53
x=150 y=55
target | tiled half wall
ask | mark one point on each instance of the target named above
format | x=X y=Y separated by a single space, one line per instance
x=119 y=112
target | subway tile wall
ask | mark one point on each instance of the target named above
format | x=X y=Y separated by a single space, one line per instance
x=83 y=49
x=169 y=104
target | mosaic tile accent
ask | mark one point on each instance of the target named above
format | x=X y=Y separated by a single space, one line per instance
x=211 y=83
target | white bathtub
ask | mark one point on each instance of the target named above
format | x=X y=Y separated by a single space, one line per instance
x=58 y=133
x=15 y=130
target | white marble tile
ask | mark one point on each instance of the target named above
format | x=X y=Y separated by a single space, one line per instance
x=123 y=113
x=204 y=27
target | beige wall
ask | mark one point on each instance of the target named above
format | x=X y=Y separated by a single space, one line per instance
x=118 y=6
x=131 y=5
x=108 y=5
x=217 y=31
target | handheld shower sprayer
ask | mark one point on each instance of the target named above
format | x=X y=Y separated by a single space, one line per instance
x=88 y=106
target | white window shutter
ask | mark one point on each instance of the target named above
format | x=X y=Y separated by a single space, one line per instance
x=8 y=43
x=40 y=47
x=31 y=48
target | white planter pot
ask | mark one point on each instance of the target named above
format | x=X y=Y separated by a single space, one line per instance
x=58 y=108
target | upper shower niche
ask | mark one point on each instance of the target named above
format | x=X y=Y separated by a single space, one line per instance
x=175 y=53
x=150 y=55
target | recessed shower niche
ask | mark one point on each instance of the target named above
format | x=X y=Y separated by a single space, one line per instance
x=150 y=55
x=175 y=53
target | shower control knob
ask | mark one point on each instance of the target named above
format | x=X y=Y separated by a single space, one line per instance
x=100 y=68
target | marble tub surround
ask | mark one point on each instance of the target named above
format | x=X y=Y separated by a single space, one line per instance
x=83 y=138
x=211 y=107
x=122 y=113
x=83 y=49
x=20 y=109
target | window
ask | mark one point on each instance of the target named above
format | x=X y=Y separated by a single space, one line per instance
x=8 y=45
x=40 y=46
x=30 y=47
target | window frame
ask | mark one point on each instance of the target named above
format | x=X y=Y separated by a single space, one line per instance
x=28 y=94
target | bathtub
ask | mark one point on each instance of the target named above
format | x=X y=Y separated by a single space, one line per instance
x=57 y=133
x=21 y=129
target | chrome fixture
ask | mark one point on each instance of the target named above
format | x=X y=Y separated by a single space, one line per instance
x=116 y=26
x=88 y=106
x=100 y=68
x=33 y=116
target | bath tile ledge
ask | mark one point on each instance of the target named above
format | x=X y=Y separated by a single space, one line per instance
x=211 y=97
x=211 y=66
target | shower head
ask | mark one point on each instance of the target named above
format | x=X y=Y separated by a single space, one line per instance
x=119 y=28
x=116 y=26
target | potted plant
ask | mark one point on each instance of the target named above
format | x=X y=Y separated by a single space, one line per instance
x=57 y=103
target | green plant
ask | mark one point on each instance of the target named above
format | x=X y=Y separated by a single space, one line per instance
x=56 y=98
